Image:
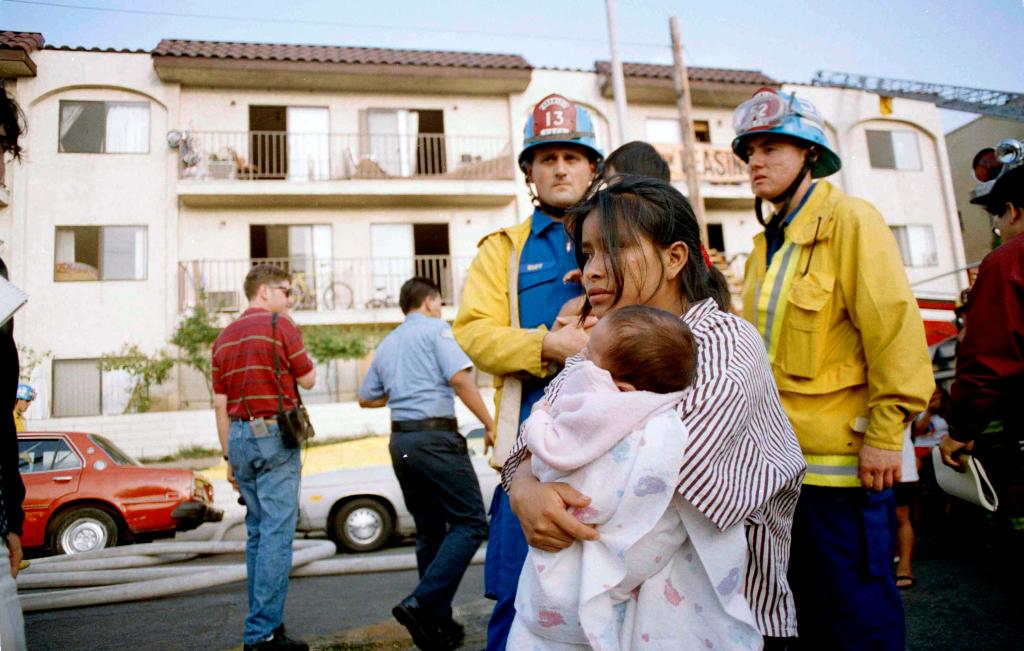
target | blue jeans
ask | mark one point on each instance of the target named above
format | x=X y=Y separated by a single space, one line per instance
x=840 y=570
x=506 y=553
x=268 y=477
x=442 y=493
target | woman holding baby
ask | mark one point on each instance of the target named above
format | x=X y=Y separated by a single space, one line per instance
x=739 y=472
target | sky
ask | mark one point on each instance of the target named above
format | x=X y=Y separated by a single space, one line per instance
x=960 y=42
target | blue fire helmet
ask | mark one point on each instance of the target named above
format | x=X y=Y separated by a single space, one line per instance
x=26 y=393
x=557 y=120
x=775 y=111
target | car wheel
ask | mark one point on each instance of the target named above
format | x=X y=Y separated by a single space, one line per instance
x=361 y=525
x=84 y=529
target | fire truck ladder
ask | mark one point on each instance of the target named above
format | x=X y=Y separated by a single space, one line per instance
x=994 y=103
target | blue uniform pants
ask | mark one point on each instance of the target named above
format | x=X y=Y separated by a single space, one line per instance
x=506 y=553
x=268 y=478
x=442 y=493
x=840 y=570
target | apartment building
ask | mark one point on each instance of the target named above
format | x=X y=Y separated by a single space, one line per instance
x=154 y=179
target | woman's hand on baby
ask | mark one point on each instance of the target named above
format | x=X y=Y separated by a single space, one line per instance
x=543 y=512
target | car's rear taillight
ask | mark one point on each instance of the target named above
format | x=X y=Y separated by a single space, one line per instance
x=202 y=489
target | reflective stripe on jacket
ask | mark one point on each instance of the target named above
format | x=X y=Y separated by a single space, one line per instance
x=487 y=328
x=843 y=332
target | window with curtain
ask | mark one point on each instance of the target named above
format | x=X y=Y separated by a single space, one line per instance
x=917 y=245
x=100 y=253
x=393 y=135
x=103 y=127
x=893 y=150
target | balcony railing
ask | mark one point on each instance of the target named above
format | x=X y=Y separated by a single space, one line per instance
x=715 y=164
x=278 y=155
x=321 y=284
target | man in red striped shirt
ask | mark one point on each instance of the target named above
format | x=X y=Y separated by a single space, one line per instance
x=266 y=473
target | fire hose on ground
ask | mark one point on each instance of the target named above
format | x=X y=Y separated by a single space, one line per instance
x=151 y=570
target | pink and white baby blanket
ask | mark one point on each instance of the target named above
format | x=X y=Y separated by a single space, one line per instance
x=662 y=576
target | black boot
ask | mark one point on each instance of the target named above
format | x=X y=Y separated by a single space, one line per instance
x=424 y=629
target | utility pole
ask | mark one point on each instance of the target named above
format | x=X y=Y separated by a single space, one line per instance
x=682 y=82
x=618 y=83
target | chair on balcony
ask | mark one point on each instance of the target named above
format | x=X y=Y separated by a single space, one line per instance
x=362 y=168
x=243 y=169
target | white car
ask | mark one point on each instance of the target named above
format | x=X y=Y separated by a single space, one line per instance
x=361 y=509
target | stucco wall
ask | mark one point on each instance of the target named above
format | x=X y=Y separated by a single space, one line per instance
x=962 y=144
x=83 y=319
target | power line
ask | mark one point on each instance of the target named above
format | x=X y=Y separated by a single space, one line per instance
x=301 y=21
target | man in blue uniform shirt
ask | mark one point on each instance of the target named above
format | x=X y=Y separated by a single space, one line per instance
x=416 y=371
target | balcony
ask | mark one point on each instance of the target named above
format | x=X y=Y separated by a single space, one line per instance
x=275 y=168
x=328 y=291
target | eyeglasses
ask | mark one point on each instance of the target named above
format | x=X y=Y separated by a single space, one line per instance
x=287 y=290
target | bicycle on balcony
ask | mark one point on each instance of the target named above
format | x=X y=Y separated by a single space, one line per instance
x=336 y=296
x=381 y=300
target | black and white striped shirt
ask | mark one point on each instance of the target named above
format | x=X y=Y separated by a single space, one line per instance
x=743 y=462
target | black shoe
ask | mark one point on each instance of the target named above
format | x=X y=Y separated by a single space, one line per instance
x=454 y=633
x=277 y=641
x=426 y=633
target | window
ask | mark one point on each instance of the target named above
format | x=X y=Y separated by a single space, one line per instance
x=119 y=456
x=406 y=142
x=716 y=237
x=46 y=455
x=893 y=150
x=100 y=253
x=80 y=388
x=665 y=131
x=104 y=127
x=290 y=142
x=917 y=245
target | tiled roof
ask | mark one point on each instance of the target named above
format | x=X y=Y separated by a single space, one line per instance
x=720 y=75
x=27 y=41
x=337 y=54
x=109 y=50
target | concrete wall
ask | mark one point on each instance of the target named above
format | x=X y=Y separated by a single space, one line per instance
x=963 y=144
x=163 y=433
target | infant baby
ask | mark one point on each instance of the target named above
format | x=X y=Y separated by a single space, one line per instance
x=661 y=575
x=634 y=348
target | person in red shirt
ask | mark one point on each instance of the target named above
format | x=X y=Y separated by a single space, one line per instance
x=265 y=471
x=990 y=360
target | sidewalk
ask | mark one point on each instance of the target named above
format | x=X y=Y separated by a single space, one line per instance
x=391 y=636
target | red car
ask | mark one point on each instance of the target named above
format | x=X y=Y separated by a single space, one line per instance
x=82 y=493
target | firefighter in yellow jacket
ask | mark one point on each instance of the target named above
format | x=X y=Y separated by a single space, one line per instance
x=826 y=288
x=507 y=316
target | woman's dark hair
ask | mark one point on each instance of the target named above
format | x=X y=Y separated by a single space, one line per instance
x=13 y=122
x=639 y=158
x=718 y=288
x=636 y=206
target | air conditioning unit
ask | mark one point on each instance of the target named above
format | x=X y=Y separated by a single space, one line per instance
x=226 y=301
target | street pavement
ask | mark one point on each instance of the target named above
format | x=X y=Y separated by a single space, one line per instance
x=968 y=598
